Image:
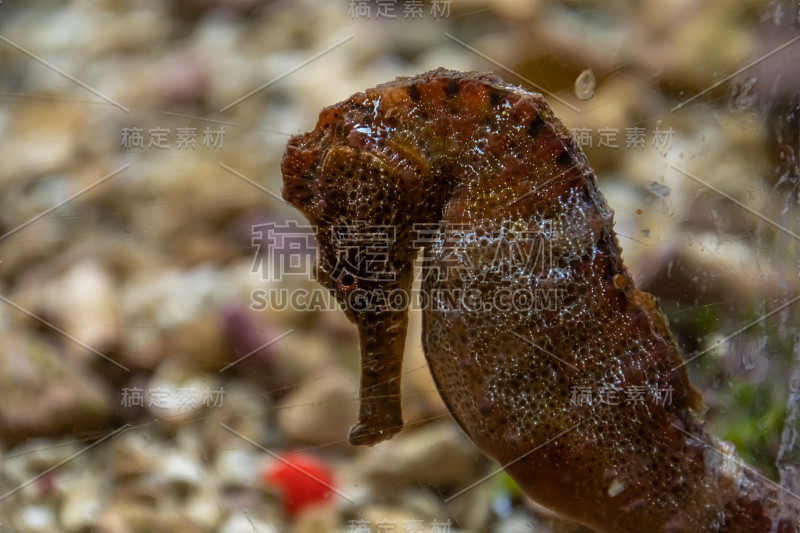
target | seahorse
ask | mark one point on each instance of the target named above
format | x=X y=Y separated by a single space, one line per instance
x=527 y=305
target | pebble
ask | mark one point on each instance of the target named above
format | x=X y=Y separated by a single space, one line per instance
x=234 y=465
x=320 y=411
x=585 y=84
x=434 y=453
x=244 y=522
x=44 y=393
x=36 y=519
x=82 y=503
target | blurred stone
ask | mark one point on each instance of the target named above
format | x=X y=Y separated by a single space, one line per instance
x=43 y=394
x=35 y=519
x=176 y=392
x=183 y=78
x=251 y=346
x=243 y=522
x=301 y=358
x=245 y=410
x=92 y=316
x=82 y=502
x=235 y=465
x=26 y=461
x=436 y=454
x=127 y=516
x=585 y=84
x=709 y=268
x=43 y=138
x=521 y=523
x=320 y=411
x=132 y=454
x=317 y=519
x=201 y=342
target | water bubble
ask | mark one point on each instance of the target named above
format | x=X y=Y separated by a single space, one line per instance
x=585 y=84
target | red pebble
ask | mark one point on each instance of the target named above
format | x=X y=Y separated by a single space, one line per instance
x=302 y=478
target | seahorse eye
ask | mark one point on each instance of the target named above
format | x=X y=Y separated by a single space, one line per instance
x=347 y=282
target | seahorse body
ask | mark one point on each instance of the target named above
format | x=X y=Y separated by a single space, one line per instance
x=528 y=305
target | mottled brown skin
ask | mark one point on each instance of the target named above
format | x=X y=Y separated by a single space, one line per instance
x=466 y=150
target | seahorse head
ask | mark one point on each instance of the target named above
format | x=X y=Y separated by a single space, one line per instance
x=359 y=205
x=364 y=206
